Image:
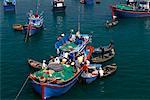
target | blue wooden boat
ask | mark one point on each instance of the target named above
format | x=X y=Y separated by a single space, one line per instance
x=71 y=42
x=35 y=23
x=58 y=6
x=92 y=73
x=9 y=5
x=47 y=90
x=141 y=9
x=54 y=79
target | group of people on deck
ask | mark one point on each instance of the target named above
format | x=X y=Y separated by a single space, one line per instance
x=76 y=60
x=75 y=38
x=142 y=5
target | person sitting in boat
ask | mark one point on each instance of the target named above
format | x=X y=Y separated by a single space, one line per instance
x=62 y=34
x=57 y=60
x=101 y=72
x=78 y=34
x=51 y=59
x=58 y=38
x=65 y=54
x=71 y=56
x=44 y=65
x=74 y=66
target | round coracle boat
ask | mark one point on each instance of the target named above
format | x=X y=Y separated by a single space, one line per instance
x=17 y=27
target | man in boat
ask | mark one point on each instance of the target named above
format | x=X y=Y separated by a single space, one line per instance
x=102 y=52
x=101 y=72
x=114 y=18
x=44 y=65
x=110 y=48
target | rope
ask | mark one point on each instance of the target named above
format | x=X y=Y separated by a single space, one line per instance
x=22 y=88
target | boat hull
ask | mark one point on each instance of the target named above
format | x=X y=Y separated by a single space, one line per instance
x=89 y=1
x=51 y=90
x=125 y=13
x=9 y=7
x=59 y=9
x=89 y=80
x=33 y=31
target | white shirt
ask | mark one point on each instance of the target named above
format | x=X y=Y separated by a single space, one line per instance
x=57 y=60
x=101 y=72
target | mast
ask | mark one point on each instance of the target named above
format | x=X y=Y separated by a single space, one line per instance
x=79 y=20
x=37 y=6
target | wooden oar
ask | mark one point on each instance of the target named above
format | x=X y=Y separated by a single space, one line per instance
x=28 y=31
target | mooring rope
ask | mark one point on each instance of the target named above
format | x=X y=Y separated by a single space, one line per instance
x=22 y=88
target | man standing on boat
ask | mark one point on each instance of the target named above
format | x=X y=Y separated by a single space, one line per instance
x=102 y=52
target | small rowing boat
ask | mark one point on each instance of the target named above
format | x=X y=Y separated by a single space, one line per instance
x=98 y=58
x=91 y=74
x=108 y=70
x=103 y=54
x=17 y=27
x=111 y=23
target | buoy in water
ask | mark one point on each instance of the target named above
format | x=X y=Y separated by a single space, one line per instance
x=17 y=27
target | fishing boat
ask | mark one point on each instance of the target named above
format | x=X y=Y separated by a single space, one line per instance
x=92 y=73
x=9 y=5
x=49 y=83
x=58 y=5
x=72 y=42
x=140 y=9
x=97 y=56
x=35 y=23
x=57 y=78
x=108 y=70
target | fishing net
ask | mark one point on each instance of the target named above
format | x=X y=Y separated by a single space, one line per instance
x=124 y=7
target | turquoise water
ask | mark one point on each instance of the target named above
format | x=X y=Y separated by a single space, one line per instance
x=131 y=37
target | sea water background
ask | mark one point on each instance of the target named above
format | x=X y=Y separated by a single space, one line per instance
x=131 y=37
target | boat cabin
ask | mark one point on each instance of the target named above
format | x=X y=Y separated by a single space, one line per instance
x=58 y=3
x=144 y=5
x=9 y=2
x=35 y=19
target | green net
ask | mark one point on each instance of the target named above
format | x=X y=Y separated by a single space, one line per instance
x=124 y=7
x=68 y=46
x=64 y=74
